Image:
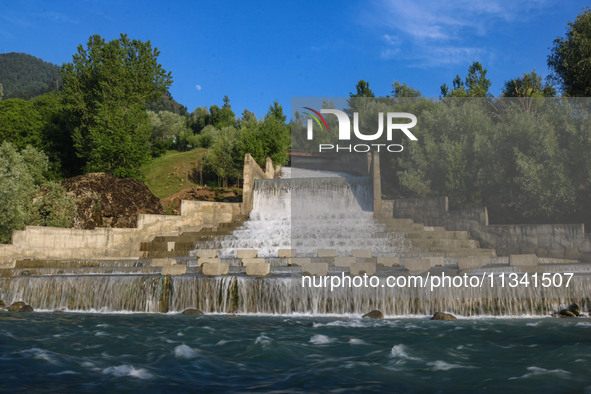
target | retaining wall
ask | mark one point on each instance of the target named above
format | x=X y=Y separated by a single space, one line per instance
x=64 y=243
x=567 y=241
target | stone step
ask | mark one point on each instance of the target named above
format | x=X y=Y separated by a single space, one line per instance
x=44 y=263
x=82 y=271
x=158 y=254
x=438 y=234
x=437 y=243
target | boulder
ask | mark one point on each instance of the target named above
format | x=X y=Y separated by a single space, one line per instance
x=375 y=314
x=443 y=316
x=20 y=306
x=106 y=201
x=2 y=304
x=566 y=313
x=575 y=309
x=191 y=312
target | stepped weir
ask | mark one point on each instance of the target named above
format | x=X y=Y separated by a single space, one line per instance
x=312 y=223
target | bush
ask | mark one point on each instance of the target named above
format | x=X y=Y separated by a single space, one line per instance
x=21 y=176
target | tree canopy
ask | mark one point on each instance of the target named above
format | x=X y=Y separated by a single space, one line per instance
x=106 y=89
x=571 y=57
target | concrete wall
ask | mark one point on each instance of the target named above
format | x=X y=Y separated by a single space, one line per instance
x=64 y=243
x=251 y=172
x=545 y=240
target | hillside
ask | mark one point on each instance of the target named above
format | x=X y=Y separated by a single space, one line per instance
x=25 y=76
x=174 y=176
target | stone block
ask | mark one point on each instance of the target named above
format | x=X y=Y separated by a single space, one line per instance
x=212 y=269
x=315 y=269
x=212 y=260
x=436 y=261
x=207 y=253
x=247 y=253
x=178 y=269
x=469 y=262
x=164 y=262
x=389 y=261
x=361 y=253
x=417 y=265
x=523 y=260
x=255 y=268
x=286 y=253
x=299 y=261
x=326 y=252
x=362 y=268
x=253 y=260
x=343 y=261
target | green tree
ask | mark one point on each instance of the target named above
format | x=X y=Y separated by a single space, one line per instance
x=21 y=174
x=167 y=129
x=222 y=157
x=475 y=83
x=21 y=123
x=571 y=57
x=106 y=89
x=1 y=92
x=403 y=90
x=362 y=90
x=528 y=85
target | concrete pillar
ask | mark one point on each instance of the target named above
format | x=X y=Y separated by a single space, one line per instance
x=377 y=183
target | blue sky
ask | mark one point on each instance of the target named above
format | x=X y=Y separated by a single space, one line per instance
x=257 y=52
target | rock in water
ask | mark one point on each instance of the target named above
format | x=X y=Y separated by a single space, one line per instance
x=575 y=309
x=443 y=316
x=375 y=314
x=191 y=312
x=566 y=313
x=106 y=201
x=20 y=306
x=2 y=304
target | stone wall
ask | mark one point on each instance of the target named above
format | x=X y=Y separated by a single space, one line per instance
x=567 y=241
x=65 y=243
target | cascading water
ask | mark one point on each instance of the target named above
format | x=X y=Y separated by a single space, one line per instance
x=310 y=210
x=305 y=211
x=103 y=293
x=285 y=295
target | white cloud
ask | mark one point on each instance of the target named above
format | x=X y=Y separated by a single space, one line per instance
x=198 y=87
x=431 y=32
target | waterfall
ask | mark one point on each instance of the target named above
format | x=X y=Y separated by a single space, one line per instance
x=285 y=295
x=311 y=210
x=104 y=293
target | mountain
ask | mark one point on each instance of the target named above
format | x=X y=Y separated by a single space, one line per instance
x=25 y=76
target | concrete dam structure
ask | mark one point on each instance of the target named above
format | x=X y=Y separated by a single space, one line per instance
x=307 y=223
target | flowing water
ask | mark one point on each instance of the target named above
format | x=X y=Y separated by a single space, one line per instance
x=310 y=210
x=56 y=352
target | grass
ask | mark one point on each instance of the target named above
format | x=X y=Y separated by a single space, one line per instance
x=171 y=172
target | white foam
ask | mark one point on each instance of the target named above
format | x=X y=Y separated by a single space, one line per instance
x=184 y=352
x=535 y=371
x=399 y=352
x=128 y=370
x=356 y=341
x=585 y=324
x=41 y=354
x=263 y=340
x=440 y=365
x=320 y=339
